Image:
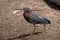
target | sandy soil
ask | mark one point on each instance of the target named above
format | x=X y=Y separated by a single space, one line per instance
x=14 y=27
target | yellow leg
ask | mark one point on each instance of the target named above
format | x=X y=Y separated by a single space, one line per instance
x=44 y=32
x=33 y=31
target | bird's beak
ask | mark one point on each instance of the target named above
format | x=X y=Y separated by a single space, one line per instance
x=18 y=9
x=35 y=10
x=31 y=9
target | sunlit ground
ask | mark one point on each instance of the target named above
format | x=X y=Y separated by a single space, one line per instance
x=13 y=25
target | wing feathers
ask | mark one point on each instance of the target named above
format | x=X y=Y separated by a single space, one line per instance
x=38 y=19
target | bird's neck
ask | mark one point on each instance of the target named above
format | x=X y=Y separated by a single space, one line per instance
x=27 y=13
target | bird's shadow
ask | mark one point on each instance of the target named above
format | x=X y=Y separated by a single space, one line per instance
x=52 y=5
x=24 y=35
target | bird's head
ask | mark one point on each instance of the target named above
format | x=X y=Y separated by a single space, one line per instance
x=26 y=9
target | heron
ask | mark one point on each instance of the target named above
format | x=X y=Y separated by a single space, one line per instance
x=34 y=18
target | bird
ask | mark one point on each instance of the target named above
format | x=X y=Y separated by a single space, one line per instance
x=34 y=18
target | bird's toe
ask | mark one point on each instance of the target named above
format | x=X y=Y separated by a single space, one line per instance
x=43 y=33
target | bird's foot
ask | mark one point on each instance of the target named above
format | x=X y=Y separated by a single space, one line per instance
x=43 y=33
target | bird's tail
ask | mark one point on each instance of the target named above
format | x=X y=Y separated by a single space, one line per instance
x=48 y=21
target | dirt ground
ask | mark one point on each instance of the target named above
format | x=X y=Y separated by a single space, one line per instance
x=14 y=27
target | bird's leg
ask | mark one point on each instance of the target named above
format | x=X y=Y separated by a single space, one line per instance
x=44 y=28
x=44 y=32
x=33 y=30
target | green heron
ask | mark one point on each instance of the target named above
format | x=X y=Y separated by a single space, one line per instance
x=34 y=19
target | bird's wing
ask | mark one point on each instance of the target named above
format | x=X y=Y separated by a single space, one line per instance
x=37 y=19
